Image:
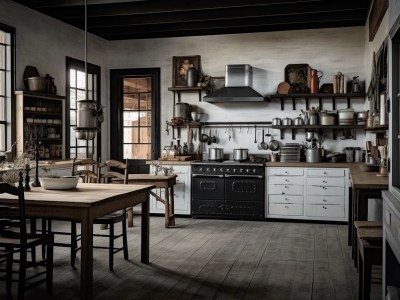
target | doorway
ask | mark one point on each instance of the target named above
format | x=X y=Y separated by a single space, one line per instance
x=135 y=116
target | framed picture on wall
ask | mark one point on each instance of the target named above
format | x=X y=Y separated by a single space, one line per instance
x=180 y=65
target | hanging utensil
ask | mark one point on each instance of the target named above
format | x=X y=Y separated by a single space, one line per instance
x=255 y=134
x=209 y=140
x=264 y=145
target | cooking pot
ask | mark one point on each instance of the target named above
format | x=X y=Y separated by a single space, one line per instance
x=298 y=121
x=326 y=119
x=240 y=154
x=182 y=110
x=215 y=154
x=276 y=121
x=287 y=121
x=362 y=115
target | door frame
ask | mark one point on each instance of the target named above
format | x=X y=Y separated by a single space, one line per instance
x=116 y=108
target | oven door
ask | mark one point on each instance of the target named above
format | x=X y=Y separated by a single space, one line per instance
x=208 y=195
x=244 y=187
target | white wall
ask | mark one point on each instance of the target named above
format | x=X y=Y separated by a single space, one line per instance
x=328 y=50
x=45 y=42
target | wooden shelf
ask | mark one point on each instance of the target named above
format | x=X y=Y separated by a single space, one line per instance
x=381 y=128
x=178 y=90
x=40 y=95
x=187 y=124
x=319 y=96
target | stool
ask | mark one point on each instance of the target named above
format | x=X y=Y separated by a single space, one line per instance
x=370 y=253
x=357 y=226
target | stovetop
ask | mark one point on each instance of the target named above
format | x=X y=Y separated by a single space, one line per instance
x=230 y=163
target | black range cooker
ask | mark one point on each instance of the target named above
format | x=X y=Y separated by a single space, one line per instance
x=228 y=189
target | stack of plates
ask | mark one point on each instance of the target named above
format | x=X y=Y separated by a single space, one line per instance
x=290 y=153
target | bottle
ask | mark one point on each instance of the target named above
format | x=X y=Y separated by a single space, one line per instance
x=314 y=83
x=179 y=149
x=306 y=121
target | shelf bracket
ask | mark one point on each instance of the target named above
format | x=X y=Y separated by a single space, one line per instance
x=348 y=102
x=294 y=131
x=294 y=103
x=282 y=133
x=199 y=95
x=282 y=104
x=333 y=103
x=334 y=134
x=320 y=102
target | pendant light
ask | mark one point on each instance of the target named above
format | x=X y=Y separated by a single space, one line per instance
x=89 y=112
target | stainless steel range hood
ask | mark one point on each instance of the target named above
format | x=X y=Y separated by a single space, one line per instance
x=238 y=86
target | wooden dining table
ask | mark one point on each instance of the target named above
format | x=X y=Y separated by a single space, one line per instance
x=84 y=204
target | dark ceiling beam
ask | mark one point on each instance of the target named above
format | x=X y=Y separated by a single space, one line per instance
x=233 y=23
x=270 y=28
x=63 y=13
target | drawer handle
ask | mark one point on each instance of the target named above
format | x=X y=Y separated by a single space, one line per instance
x=324 y=181
x=324 y=200
x=286 y=172
x=286 y=206
x=324 y=207
x=286 y=187
x=286 y=199
x=325 y=173
x=324 y=187
x=283 y=193
x=286 y=180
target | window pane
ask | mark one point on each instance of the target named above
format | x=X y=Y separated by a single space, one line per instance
x=2 y=139
x=2 y=83
x=81 y=80
x=82 y=143
x=131 y=118
x=145 y=118
x=142 y=151
x=128 y=151
x=72 y=78
x=81 y=153
x=2 y=57
x=72 y=118
x=130 y=135
x=2 y=109
x=80 y=95
x=72 y=98
x=72 y=139
x=145 y=135
x=130 y=102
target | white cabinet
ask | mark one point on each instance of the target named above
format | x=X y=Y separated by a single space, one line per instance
x=307 y=193
x=284 y=191
x=327 y=193
x=181 y=192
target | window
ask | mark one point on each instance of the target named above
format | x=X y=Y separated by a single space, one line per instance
x=76 y=91
x=6 y=84
x=137 y=118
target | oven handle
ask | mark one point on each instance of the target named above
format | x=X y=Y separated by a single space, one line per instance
x=207 y=175
x=244 y=176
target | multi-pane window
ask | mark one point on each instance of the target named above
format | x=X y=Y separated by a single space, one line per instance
x=6 y=86
x=137 y=118
x=76 y=90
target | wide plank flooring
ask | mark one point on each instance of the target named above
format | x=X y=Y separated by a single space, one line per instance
x=219 y=259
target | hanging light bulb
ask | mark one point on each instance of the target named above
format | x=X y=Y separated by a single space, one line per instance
x=89 y=112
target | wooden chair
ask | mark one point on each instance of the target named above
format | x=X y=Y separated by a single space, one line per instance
x=14 y=238
x=369 y=241
x=113 y=218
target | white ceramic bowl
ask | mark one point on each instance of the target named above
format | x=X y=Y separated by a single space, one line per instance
x=59 y=183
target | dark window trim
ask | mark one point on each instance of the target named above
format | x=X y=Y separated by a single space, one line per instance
x=10 y=111
x=91 y=68
x=116 y=93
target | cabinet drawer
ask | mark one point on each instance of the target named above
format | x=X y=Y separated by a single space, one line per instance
x=326 y=181
x=285 y=189
x=325 y=200
x=297 y=180
x=285 y=209
x=325 y=172
x=285 y=199
x=324 y=190
x=392 y=222
x=330 y=211
x=286 y=171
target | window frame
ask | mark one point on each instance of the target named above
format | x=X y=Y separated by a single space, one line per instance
x=72 y=63
x=9 y=103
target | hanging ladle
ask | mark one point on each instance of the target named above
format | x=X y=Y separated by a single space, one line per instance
x=263 y=144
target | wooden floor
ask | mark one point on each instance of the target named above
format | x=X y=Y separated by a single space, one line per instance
x=220 y=259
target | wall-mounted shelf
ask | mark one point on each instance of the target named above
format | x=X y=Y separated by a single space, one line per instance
x=319 y=128
x=233 y=124
x=319 y=96
x=186 y=124
x=179 y=90
x=377 y=129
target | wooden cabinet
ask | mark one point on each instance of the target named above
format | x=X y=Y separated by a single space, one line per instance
x=181 y=192
x=307 y=193
x=40 y=116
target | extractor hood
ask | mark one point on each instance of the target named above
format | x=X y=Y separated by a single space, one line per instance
x=238 y=86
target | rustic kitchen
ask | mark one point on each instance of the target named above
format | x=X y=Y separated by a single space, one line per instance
x=258 y=141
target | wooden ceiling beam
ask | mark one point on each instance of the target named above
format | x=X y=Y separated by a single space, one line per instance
x=233 y=24
x=244 y=29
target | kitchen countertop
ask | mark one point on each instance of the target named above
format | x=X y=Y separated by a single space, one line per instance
x=170 y=162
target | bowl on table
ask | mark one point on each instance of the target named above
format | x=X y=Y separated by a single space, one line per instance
x=59 y=183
